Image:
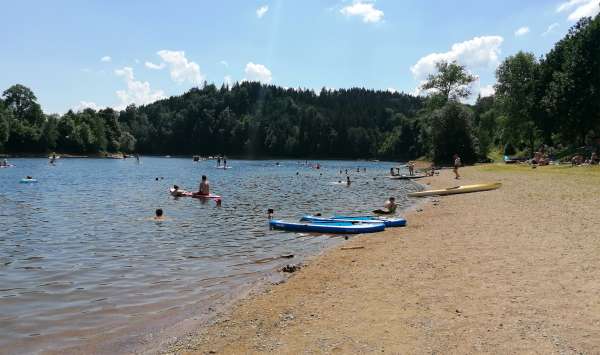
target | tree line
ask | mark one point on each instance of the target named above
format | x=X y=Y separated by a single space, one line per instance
x=553 y=100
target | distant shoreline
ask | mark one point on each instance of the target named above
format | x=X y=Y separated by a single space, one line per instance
x=179 y=156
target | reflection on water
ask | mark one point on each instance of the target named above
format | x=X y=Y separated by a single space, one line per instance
x=80 y=254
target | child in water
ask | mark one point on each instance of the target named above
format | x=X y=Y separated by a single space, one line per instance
x=158 y=215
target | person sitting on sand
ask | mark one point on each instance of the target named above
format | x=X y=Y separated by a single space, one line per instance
x=431 y=170
x=577 y=160
x=158 y=215
x=204 y=188
x=389 y=205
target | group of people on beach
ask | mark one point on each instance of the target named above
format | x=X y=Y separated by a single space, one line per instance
x=579 y=159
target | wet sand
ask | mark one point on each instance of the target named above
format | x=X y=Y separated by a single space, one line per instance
x=513 y=270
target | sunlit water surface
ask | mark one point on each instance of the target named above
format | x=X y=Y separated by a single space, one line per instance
x=80 y=255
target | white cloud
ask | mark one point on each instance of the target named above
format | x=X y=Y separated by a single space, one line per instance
x=475 y=53
x=87 y=104
x=180 y=68
x=151 y=65
x=224 y=63
x=137 y=92
x=106 y=59
x=550 y=29
x=257 y=72
x=261 y=11
x=522 y=31
x=487 y=90
x=579 y=8
x=227 y=80
x=366 y=10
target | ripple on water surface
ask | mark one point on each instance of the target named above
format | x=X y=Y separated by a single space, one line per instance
x=80 y=256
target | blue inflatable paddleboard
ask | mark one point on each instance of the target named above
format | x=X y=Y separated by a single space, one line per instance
x=389 y=222
x=328 y=227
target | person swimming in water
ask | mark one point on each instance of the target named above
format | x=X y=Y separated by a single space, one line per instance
x=176 y=192
x=158 y=215
x=348 y=182
x=204 y=188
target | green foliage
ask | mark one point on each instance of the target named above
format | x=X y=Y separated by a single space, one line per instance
x=452 y=81
x=452 y=133
x=516 y=95
x=556 y=100
x=5 y=119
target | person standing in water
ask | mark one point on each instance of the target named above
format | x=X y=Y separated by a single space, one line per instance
x=348 y=182
x=219 y=161
x=411 y=168
x=224 y=162
x=204 y=188
x=457 y=164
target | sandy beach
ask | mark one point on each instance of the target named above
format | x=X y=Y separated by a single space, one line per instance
x=513 y=270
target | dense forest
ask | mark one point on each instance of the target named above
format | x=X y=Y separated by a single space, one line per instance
x=552 y=100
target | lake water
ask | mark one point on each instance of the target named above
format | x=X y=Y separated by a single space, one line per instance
x=81 y=258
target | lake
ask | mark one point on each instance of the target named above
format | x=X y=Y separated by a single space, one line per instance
x=81 y=259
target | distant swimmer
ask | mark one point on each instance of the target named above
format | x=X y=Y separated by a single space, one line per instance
x=389 y=205
x=348 y=182
x=224 y=162
x=204 y=188
x=158 y=215
x=219 y=161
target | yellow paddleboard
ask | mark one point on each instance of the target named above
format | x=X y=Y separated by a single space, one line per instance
x=457 y=190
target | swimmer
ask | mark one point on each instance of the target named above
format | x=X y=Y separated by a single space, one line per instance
x=158 y=215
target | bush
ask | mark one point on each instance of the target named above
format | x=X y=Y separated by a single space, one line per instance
x=452 y=133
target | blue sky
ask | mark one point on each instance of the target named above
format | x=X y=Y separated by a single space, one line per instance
x=74 y=54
